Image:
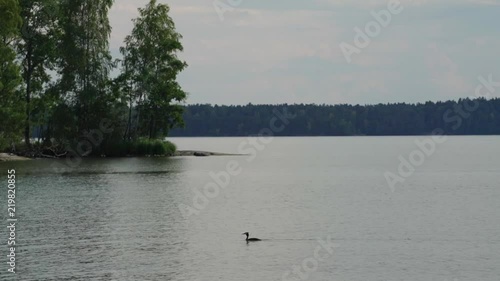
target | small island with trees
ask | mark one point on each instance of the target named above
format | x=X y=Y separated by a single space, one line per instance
x=57 y=91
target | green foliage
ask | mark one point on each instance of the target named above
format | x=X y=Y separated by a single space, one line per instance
x=36 y=48
x=149 y=71
x=62 y=89
x=344 y=119
x=10 y=19
x=84 y=64
x=11 y=111
x=142 y=147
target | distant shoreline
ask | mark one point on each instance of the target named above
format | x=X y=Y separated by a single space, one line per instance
x=476 y=116
x=4 y=157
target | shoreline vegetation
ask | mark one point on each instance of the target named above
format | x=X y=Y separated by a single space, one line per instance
x=142 y=148
x=4 y=157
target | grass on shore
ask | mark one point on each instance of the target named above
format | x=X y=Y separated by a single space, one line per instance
x=143 y=147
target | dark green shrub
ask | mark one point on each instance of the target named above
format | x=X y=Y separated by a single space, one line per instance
x=142 y=147
x=170 y=148
x=157 y=148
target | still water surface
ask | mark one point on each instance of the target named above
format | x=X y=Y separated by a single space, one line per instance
x=119 y=219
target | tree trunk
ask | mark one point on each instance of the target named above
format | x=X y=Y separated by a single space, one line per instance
x=151 y=127
x=128 y=130
x=27 y=128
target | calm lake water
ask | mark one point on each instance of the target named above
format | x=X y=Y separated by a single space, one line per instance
x=121 y=219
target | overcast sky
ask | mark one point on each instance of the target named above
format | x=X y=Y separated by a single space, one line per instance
x=278 y=51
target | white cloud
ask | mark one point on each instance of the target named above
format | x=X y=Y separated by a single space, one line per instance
x=445 y=73
x=380 y=3
x=269 y=55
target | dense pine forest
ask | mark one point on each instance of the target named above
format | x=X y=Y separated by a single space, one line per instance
x=56 y=90
x=462 y=117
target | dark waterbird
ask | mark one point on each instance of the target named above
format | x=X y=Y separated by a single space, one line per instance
x=250 y=239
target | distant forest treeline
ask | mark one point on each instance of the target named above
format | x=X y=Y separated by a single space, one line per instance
x=462 y=117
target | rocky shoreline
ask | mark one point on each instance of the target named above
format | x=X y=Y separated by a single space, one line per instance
x=4 y=157
x=198 y=153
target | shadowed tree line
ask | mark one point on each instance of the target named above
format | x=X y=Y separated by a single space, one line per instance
x=55 y=81
x=462 y=117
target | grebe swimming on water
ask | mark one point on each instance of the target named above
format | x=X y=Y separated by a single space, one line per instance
x=250 y=239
